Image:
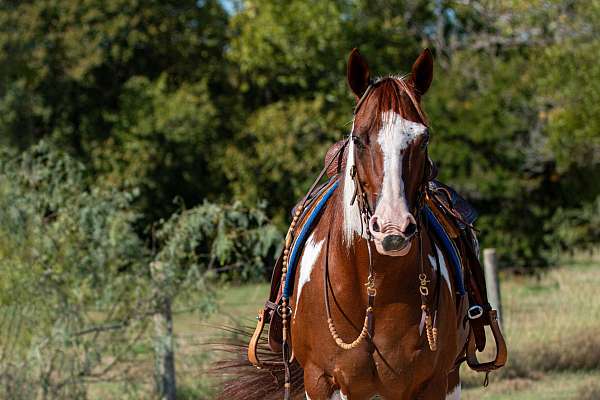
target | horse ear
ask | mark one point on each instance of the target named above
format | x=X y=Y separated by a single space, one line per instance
x=422 y=72
x=358 y=73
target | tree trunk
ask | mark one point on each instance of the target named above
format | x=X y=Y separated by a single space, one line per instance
x=164 y=368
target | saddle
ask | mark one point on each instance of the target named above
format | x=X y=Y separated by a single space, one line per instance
x=450 y=216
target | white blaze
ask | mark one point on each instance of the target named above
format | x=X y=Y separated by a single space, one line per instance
x=395 y=136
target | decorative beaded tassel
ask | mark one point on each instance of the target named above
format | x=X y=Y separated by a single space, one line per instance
x=284 y=300
x=362 y=336
x=432 y=332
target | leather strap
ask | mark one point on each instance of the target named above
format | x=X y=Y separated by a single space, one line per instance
x=501 y=352
x=253 y=345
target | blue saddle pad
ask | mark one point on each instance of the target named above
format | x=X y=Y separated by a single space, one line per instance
x=448 y=247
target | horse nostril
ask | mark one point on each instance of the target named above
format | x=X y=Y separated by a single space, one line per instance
x=410 y=230
x=375 y=226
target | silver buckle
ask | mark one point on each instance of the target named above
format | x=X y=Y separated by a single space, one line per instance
x=288 y=310
x=475 y=312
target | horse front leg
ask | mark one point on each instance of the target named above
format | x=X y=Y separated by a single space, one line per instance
x=318 y=385
x=435 y=389
x=454 y=387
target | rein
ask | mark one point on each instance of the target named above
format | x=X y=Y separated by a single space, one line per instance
x=366 y=211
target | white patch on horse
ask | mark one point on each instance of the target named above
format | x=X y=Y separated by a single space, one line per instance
x=454 y=394
x=307 y=396
x=352 y=218
x=475 y=242
x=442 y=267
x=395 y=136
x=307 y=262
x=338 y=395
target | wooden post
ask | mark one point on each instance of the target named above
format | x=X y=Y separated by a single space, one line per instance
x=490 y=262
x=164 y=356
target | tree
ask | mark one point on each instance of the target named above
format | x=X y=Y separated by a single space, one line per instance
x=69 y=71
x=77 y=292
x=74 y=287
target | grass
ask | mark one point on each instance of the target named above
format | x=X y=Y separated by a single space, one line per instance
x=552 y=329
x=583 y=385
x=551 y=323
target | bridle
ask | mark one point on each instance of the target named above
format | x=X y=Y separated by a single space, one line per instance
x=361 y=198
x=360 y=195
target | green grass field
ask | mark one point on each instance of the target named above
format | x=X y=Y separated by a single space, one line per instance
x=551 y=323
x=552 y=327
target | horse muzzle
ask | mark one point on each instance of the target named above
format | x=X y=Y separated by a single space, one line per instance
x=394 y=243
x=391 y=239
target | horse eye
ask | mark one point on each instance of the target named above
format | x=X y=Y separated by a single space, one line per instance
x=425 y=141
x=358 y=142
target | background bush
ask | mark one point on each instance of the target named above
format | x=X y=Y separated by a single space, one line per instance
x=239 y=100
x=76 y=288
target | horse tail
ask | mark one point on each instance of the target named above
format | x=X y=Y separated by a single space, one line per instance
x=239 y=379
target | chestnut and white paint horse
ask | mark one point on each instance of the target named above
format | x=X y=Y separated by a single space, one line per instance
x=400 y=338
x=388 y=151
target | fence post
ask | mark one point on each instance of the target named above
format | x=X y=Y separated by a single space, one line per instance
x=490 y=263
x=164 y=356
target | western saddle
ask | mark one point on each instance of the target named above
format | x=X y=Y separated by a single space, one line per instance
x=456 y=216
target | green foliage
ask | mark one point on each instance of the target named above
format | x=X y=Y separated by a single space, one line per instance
x=74 y=277
x=183 y=100
x=78 y=72
x=212 y=239
x=283 y=48
x=254 y=170
x=76 y=289
x=163 y=142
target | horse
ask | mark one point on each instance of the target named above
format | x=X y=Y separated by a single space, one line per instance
x=387 y=165
x=376 y=310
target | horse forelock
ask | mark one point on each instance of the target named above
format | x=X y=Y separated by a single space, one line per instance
x=393 y=93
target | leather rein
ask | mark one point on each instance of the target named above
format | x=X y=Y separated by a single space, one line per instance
x=361 y=197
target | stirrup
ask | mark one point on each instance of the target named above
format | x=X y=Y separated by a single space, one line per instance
x=501 y=352
x=252 y=346
x=475 y=311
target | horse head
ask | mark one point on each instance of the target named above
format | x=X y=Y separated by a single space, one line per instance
x=387 y=163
